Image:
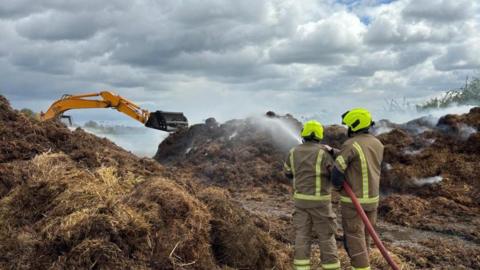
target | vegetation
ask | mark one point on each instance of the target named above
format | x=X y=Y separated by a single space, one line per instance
x=467 y=95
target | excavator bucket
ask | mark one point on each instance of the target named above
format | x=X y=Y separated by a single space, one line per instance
x=166 y=121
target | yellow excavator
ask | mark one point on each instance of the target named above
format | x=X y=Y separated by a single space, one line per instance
x=166 y=121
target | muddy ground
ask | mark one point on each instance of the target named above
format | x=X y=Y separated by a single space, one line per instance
x=215 y=197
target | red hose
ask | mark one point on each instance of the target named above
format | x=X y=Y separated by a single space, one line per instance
x=369 y=227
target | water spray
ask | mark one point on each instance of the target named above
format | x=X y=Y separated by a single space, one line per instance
x=285 y=128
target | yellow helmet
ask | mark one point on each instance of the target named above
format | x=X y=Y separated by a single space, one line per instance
x=313 y=129
x=357 y=119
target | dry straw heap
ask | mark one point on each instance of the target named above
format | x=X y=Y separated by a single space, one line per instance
x=69 y=200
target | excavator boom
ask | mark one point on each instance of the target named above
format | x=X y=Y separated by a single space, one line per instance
x=166 y=121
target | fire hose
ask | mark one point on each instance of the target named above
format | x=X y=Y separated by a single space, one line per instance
x=369 y=226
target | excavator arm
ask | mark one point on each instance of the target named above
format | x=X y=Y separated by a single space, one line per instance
x=166 y=121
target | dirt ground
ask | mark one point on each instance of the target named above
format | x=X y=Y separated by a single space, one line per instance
x=215 y=196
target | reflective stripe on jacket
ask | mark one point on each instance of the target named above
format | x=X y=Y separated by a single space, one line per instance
x=310 y=165
x=360 y=160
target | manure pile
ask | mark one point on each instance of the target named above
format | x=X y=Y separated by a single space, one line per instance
x=70 y=200
x=433 y=172
x=430 y=206
x=239 y=153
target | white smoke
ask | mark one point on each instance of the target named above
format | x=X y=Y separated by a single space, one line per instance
x=465 y=131
x=381 y=127
x=234 y=134
x=388 y=166
x=427 y=181
x=433 y=115
x=410 y=152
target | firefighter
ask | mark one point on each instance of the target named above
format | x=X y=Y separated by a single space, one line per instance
x=358 y=163
x=309 y=165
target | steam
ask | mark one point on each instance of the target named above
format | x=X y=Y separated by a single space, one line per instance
x=412 y=152
x=427 y=181
x=381 y=127
x=234 y=134
x=411 y=114
x=465 y=131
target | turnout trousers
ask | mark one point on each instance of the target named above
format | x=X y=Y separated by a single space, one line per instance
x=320 y=220
x=356 y=238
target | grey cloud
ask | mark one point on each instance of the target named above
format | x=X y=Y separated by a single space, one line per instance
x=464 y=56
x=13 y=9
x=388 y=61
x=390 y=31
x=192 y=12
x=120 y=76
x=443 y=11
x=215 y=26
x=61 y=26
x=383 y=30
x=44 y=59
x=16 y=8
x=316 y=55
x=234 y=65
x=21 y=83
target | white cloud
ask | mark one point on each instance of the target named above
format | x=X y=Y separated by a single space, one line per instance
x=326 y=41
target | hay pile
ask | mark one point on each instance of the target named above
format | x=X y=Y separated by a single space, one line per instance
x=70 y=200
x=66 y=217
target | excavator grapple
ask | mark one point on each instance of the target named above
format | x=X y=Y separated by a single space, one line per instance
x=166 y=121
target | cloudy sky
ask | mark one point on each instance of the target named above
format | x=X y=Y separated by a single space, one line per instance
x=233 y=58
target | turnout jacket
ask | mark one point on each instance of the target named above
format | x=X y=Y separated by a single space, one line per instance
x=360 y=161
x=310 y=165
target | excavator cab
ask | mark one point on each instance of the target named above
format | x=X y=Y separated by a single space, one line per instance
x=166 y=121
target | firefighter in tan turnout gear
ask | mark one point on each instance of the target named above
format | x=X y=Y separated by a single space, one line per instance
x=358 y=163
x=309 y=165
